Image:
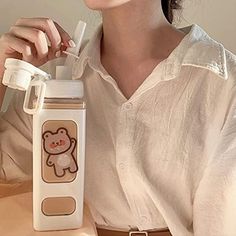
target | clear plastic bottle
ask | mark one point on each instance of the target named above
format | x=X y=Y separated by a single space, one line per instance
x=59 y=157
x=59 y=116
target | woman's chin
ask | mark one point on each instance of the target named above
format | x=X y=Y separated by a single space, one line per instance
x=104 y=4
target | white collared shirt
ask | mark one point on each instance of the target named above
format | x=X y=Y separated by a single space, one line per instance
x=165 y=157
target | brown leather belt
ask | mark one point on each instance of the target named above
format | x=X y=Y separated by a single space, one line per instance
x=108 y=232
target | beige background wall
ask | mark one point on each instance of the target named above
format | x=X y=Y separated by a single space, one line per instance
x=217 y=17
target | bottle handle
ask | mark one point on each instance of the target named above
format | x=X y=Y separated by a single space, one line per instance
x=41 y=93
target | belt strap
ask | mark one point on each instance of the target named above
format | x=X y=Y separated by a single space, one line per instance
x=108 y=232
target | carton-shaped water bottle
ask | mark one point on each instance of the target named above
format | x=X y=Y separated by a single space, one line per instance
x=58 y=152
x=59 y=115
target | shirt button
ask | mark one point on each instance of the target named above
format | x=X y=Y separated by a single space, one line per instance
x=128 y=106
x=121 y=166
x=144 y=219
x=214 y=63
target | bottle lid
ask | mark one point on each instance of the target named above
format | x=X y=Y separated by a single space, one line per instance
x=64 y=89
x=18 y=74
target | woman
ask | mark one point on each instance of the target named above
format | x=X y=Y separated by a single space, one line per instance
x=160 y=125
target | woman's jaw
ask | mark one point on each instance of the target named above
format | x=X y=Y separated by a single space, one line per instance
x=104 y=4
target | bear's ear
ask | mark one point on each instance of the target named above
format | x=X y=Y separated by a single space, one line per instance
x=62 y=131
x=47 y=134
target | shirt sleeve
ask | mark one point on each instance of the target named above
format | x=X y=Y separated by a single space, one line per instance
x=214 y=205
x=15 y=141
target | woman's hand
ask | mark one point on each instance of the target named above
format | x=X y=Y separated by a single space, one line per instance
x=35 y=40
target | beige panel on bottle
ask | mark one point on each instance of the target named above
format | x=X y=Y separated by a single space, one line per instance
x=56 y=206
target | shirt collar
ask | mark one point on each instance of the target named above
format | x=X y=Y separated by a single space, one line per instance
x=197 y=49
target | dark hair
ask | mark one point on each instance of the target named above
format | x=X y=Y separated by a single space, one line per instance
x=168 y=6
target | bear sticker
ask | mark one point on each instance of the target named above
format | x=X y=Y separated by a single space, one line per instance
x=60 y=146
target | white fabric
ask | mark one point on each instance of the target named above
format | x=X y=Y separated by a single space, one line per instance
x=166 y=157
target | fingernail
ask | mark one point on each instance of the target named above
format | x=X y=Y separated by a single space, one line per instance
x=72 y=43
x=58 y=54
x=58 y=44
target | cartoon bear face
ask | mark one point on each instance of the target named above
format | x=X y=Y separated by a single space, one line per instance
x=56 y=143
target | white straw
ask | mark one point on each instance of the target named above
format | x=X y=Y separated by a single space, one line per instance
x=77 y=38
x=64 y=72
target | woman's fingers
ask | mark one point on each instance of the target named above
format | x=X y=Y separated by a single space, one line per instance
x=54 y=32
x=66 y=39
x=33 y=35
x=13 y=44
x=35 y=40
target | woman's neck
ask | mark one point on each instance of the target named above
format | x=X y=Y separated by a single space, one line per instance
x=136 y=31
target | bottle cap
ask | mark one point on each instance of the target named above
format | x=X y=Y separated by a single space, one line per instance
x=18 y=74
x=64 y=89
